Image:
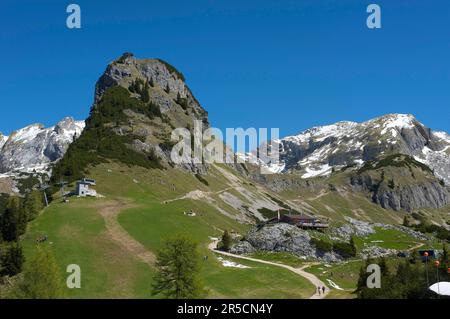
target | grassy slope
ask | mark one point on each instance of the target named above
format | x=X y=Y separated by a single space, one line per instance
x=77 y=234
x=346 y=202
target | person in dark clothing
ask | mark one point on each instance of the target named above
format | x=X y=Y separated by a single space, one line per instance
x=318 y=290
x=323 y=289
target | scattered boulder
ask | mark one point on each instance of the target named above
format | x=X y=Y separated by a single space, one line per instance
x=377 y=252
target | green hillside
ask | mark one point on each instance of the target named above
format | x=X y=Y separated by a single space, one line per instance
x=78 y=234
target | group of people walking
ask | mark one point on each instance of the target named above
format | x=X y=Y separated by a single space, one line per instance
x=321 y=290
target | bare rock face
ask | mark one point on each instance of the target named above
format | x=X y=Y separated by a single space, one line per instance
x=399 y=182
x=34 y=148
x=321 y=150
x=282 y=237
x=166 y=90
x=413 y=197
x=166 y=83
x=3 y=140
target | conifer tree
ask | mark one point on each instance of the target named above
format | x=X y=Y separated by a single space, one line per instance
x=178 y=269
x=145 y=96
x=226 y=241
x=41 y=277
x=11 y=259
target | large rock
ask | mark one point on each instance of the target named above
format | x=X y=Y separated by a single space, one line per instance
x=282 y=237
x=353 y=228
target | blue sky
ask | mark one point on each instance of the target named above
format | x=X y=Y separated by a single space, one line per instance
x=286 y=64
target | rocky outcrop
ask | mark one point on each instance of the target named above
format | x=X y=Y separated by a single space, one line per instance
x=282 y=238
x=361 y=228
x=377 y=252
x=353 y=228
x=401 y=183
x=167 y=92
x=412 y=197
x=321 y=150
x=3 y=140
x=168 y=84
x=34 y=148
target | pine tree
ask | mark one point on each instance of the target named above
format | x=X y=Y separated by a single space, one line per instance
x=14 y=220
x=33 y=204
x=132 y=87
x=145 y=96
x=406 y=222
x=383 y=267
x=41 y=277
x=226 y=241
x=11 y=259
x=353 y=247
x=167 y=88
x=178 y=266
x=444 y=256
x=361 y=286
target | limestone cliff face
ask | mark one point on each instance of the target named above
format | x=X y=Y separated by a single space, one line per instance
x=401 y=183
x=165 y=89
x=166 y=85
x=321 y=150
x=34 y=148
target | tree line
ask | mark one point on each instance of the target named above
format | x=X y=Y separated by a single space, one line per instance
x=409 y=279
x=15 y=213
x=40 y=276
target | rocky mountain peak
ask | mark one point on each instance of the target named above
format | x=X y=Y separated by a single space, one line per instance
x=167 y=84
x=3 y=140
x=34 y=147
x=323 y=149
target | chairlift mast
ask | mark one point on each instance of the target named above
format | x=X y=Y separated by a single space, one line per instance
x=61 y=184
x=43 y=188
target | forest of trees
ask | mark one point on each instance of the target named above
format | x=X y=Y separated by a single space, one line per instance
x=409 y=279
x=15 y=213
x=40 y=277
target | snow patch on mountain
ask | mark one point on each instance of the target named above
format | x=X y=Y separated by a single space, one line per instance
x=34 y=148
x=319 y=150
x=397 y=121
x=3 y=140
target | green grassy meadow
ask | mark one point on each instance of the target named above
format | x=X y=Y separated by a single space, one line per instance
x=77 y=235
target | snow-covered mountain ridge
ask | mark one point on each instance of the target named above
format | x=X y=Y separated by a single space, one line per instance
x=34 y=148
x=320 y=150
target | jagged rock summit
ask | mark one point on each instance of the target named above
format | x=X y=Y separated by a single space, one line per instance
x=34 y=148
x=167 y=87
x=320 y=150
x=138 y=103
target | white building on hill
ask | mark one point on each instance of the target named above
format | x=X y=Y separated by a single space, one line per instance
x=83 y=188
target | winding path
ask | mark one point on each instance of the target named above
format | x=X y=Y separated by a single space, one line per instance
x=109 y=212
x=299 y=271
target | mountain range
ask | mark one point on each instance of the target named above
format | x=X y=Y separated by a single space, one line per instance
x=360 y=190
x=159 y=100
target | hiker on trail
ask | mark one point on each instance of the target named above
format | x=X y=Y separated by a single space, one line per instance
x=318 y=290
x=323 y=289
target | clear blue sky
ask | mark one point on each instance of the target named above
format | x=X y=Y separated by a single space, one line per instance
x=286 y=64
